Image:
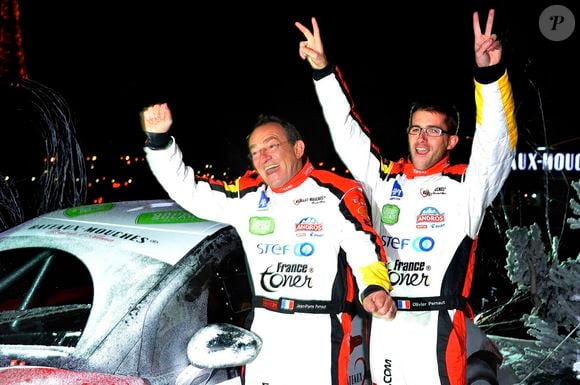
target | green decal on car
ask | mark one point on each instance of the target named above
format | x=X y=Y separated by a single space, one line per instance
x=167 y=217
x=89 y=209
x=261 y=225
x=390 y=214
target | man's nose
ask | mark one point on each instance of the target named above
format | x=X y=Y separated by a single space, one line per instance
x=423 y=134
x=263 y=153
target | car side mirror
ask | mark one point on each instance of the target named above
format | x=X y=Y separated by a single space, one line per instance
x=223 y=345
x=218 y=346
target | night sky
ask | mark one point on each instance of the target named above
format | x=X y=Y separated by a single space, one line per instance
x=219 y=66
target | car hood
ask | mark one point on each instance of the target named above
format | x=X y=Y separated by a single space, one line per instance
x=159 y=229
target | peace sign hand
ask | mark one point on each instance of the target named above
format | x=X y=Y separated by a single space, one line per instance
x=487 y=48
x=311 y=49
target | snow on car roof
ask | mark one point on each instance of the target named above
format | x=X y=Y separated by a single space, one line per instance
x=156 y=228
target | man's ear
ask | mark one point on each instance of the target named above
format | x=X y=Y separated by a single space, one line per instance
x=299 y=148
x=453 y=140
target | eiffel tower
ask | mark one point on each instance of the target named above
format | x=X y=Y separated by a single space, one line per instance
x=12 y=61
x=47 y=171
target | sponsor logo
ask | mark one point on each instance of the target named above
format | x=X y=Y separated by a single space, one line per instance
x=397 y=191
x=305 y=249
x=355 y=378
x=309 y=225
x=311 y=200
x=101 y=233
x=362 y=207
x=410 y=266
x=357 y=373
x=264 y=200
x=286 y=275
x=387 y=372
x=261 y=225
x=167 y=217
x=420 y=244
x=90 y=209
x=430 y=217
x=390 y=214
x=409 y=273
x=302 y=249
x=425 y=192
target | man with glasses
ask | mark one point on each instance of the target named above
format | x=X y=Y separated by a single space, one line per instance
x=306 y=234
x=428 y=213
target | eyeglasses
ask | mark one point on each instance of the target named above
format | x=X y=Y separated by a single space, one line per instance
x=429 y=131
x=269 y=149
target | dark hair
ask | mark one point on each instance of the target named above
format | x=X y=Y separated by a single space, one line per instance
x=449 y=110
x=291 y=131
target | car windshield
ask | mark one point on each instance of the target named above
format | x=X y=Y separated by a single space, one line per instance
x=38 y=306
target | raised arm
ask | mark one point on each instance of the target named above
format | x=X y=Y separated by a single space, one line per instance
x=487 y=48
x=495 y=138
x=312 y=49
x=350 y=138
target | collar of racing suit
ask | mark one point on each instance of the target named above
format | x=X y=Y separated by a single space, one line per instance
x=297 y=179
x=438 y=167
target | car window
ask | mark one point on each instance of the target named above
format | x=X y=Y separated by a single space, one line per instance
x=45 y=297
x=230 y=295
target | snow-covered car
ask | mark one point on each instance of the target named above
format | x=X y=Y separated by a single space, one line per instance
x=112 y=293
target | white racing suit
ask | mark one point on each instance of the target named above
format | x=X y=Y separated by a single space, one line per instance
x=428 y=221
x=304 y=243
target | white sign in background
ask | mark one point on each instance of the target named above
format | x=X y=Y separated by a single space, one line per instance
x=531 y=161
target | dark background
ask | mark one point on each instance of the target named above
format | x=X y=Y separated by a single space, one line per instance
x=219 y=65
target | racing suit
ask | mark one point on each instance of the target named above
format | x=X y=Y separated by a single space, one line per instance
x=305 y=242
x=429 y=221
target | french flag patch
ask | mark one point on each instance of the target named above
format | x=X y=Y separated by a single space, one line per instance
x=287 y=304
x=403 y=304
